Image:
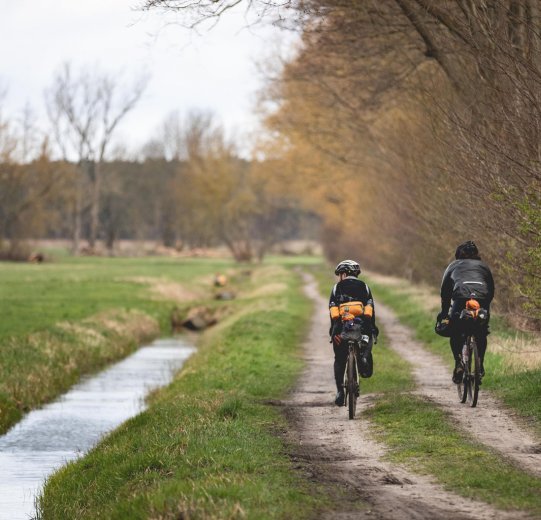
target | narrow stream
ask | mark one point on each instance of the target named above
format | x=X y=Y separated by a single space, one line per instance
x=67 y=428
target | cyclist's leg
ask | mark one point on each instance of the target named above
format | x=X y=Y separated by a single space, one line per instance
x=481 y=337
x=481 y=340
x=340 y=358
x=365 y=361
x=456 y=340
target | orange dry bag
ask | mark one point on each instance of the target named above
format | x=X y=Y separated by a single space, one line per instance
x=353 y=309
x=335 y=312
x=473 y=306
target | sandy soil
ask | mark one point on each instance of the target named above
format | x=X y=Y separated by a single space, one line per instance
x=333 y=450
x=489 y=422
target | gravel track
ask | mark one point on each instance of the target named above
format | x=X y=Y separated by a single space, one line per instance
x=335 y=451
x=490 y=423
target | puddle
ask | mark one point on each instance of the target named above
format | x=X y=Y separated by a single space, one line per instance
x=68 y=427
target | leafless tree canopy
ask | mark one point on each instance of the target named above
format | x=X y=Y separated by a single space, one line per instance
x=192 y=13
x=84 y=111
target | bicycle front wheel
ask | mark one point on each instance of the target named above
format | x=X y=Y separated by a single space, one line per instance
x=352 y=384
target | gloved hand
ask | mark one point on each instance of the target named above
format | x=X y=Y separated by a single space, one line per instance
x=441 y=315
x=337 y=339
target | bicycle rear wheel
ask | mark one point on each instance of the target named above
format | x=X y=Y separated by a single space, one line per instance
x=475 y=374
x=464 y=387
x=352 y=384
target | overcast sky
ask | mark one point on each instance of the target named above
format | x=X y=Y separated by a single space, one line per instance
x=213 y=71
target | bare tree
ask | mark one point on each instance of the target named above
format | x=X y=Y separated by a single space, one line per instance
x=193 y=13
x=29 y=182
x=84 y=111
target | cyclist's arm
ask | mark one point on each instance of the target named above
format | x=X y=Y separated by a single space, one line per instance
x=332 y=303
x=490 y=284
x=370 y=301
x=447 y=289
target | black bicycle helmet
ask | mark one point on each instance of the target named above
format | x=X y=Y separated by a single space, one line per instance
x=350 y=267
x=467 y=250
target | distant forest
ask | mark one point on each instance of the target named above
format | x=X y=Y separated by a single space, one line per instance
x=154 y=199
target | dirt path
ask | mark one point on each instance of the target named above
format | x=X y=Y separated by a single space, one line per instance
x=489 y=422
x=333 y=450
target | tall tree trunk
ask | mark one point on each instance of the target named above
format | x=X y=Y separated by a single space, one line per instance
x=95 y=178
x=77 y=218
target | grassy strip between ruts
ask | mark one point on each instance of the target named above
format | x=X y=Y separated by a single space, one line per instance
x=62 y=320
x=519 y=389
x=420 y=434
x=208 y=446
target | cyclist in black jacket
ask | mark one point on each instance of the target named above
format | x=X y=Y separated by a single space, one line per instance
x=348 y=289
x=467 y=277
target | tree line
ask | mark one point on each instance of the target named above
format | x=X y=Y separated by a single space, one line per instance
x=410 y=126
x=187 y=187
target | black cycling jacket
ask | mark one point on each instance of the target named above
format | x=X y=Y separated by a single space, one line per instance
x=466 y=278
x=348 y=290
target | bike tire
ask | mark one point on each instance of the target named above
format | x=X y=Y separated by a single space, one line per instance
x=463 y=386
x=352 y=385
x=468 y=373
x=475 y=374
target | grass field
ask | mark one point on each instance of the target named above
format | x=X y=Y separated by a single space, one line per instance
x=36 y=296
x=65 y=319
x=208 y=446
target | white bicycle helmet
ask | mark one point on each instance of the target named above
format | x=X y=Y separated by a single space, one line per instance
x=350 y=267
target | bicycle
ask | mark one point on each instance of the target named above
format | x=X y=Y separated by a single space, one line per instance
x=471 y=318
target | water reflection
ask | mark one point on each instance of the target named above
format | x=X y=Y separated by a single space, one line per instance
x=63 y=430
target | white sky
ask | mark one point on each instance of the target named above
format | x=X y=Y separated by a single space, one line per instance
x=216 y=70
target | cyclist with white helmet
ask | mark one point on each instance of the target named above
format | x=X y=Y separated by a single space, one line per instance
x=351 y=307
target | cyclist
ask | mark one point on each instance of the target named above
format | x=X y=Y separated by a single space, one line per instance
x=466 y=277
x=350 y=289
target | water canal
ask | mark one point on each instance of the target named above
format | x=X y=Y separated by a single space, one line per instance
x=68 y=427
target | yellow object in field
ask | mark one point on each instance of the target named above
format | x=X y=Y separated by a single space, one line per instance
x=369 y=311
x=351 y=309
x=335 y=312
x=220 y=280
